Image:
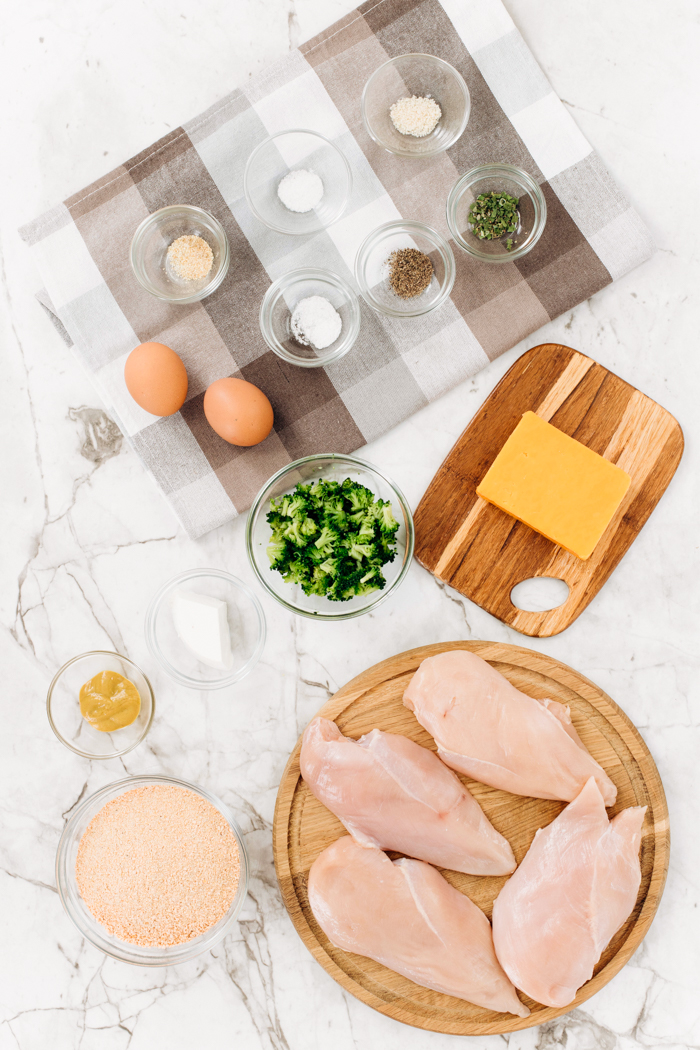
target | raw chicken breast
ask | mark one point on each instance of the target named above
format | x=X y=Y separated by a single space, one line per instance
x=574 y=889
x=489 y=730
x=391 y=793
x=403 y=914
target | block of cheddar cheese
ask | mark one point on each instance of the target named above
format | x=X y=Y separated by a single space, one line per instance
x=556 y=485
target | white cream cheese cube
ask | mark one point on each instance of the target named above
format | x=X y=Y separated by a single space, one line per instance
x=201 y=623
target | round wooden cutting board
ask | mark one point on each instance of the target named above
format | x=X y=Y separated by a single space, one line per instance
x=303 y=827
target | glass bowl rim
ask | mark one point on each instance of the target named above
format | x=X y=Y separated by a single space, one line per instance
x=382 y=595
x=89 y=754
x=150 y=221
x=282 y=229
x=408 y=226
x=155 y=650
x=287 y=280
x=517 y=175
x=63 y=876
x=413 y=154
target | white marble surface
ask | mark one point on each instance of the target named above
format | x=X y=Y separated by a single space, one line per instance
x=86 y=538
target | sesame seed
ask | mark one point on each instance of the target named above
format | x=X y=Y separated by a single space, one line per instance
x=415 y=116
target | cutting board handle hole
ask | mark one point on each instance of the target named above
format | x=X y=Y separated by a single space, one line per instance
x=539 y=594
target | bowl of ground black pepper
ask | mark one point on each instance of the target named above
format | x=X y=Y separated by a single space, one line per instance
x=496 y=213
x=180 y=254
x=415 y=105
x=405 y=269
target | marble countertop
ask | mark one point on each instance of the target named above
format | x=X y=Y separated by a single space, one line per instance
x=87 y=538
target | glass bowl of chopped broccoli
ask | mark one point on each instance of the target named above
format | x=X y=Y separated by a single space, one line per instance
x=496 y=213
x=330 y=537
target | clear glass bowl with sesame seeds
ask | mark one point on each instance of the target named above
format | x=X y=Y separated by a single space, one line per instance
x=422 y=76
x=149 y=253
x=82 y=917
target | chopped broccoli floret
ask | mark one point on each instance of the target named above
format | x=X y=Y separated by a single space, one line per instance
x=361 y=550
x=387 y=521
x=292 y=531
x=327 y=538
x=308 y=527
x=332 y=539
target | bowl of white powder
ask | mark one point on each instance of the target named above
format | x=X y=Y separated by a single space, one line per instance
x=297 y=182
x=415 y=105
x=310 y=317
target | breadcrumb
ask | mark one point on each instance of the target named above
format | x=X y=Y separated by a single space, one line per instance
x=158 y=866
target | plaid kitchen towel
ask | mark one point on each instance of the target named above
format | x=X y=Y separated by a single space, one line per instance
x=592 y=236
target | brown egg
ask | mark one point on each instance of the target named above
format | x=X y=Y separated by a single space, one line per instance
x=156 y=379
x=238 y=411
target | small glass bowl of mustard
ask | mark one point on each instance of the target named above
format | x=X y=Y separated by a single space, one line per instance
x=119 y=703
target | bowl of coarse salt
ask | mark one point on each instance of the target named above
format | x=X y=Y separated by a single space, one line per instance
x=152 y=870
x=310 y=317
x=297 y=182
x=415 y=105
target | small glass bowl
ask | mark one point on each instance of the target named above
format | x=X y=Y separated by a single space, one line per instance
x=499 y=178
x=420 y=75
x=149 y=249
x=290 y=151
x=63 y=706
x=246 y=622
x=280 y=301
x=85 y=921
x=330 y=467
x=372 y=268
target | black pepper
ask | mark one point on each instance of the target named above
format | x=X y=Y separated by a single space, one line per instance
x=411 y=272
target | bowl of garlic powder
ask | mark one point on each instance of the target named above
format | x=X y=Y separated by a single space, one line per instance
x=180 y=253
x=415 y=105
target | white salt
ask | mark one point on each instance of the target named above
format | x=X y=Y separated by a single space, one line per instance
x=300 y=190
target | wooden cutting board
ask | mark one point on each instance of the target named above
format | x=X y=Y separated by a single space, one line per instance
x=480 y=550
x=303 y=827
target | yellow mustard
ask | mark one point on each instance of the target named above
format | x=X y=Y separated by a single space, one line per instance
x=109 y=701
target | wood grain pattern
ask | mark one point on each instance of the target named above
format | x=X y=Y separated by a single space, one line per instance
x=303 y=827
x=483 y=552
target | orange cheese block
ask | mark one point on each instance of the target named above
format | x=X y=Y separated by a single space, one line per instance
x=556 y=485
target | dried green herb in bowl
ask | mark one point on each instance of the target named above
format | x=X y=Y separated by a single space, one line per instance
x=492 y=215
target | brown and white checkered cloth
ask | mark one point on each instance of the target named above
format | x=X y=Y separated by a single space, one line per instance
x=592 y=237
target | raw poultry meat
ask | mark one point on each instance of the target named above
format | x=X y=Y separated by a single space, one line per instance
x=391 y=793
x=487 y=729
x=574 y=889
x=404 y=914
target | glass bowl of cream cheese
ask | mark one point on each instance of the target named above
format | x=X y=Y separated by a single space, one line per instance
x=205 y=628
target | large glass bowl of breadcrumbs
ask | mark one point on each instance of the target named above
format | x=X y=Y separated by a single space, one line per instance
x=152 y=870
